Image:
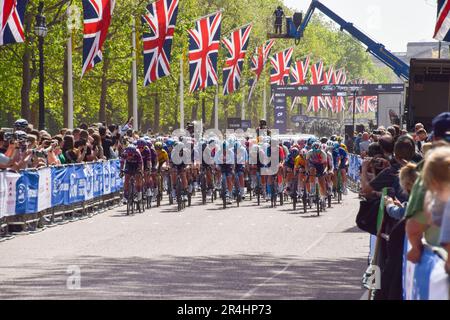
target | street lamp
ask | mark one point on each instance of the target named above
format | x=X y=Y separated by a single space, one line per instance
x=40 y=30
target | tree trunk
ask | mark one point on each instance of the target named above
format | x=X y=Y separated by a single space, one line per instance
x=104 y=93
x=195 y=107
x=156 y=113
x=26 y=70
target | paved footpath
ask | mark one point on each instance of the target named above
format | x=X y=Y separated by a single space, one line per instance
x=204 y=252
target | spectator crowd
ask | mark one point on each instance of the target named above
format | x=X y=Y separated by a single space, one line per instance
x=408 y=175
x=23 y=147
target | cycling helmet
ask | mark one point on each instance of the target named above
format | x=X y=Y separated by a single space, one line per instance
x=129 y=150
x=21 y=136
x=311 y=141
x=287 y=144
x=158 y=145
x=170 y=143
x=294 y=152
x=324 y=140
x=316 y=146
x=333 y=137
x=336 y=145
x=141 y=143
x=21 y=125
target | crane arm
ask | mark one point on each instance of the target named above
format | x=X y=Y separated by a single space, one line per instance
x=377 y=49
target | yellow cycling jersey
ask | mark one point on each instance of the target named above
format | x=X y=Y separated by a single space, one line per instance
x=300 y=161
x=163 y=156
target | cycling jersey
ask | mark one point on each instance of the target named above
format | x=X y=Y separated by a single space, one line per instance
x=133 y=164
x=146 y=157
x=300 y=161
x=290 y=161
x=340 y=158
x=163 y=156
x=317 y=159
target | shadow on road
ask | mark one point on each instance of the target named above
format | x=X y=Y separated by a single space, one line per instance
x=217 y=277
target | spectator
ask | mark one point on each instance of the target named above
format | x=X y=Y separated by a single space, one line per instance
x=76 y=134
x=97 y=148
x=71 y=154
x=436 y=178
x=418 y=226
x=364 y=144
x=421 y=138
x=357 y=141
x=418 y=126
x=3 y=144
x=107 y=143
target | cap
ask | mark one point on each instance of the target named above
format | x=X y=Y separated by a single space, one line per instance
x=441 y=124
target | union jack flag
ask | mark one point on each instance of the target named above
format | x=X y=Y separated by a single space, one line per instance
x=11 y=16
x=237 y=48
x=161 y=18
x=258 y=62
x=442 y=30
x=204 y=42
x=315 y=103
x=341 y=78
x=260 y=59
x=330 y=78
x=281 y=63
x=97 y=16
x=299 y=73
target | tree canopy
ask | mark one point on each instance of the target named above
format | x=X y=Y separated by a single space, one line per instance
x=105 y=93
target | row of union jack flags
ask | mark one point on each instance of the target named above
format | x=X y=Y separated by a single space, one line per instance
x=301 y=71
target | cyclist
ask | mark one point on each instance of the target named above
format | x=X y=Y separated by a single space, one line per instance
x=340 y=160
x=224 y=158
x=147 y=160
x=300 y=167
x=241 y=159
x=178 y=168
x=206 y=149
x=289 y=169
x=316 y=162
x=132 y=165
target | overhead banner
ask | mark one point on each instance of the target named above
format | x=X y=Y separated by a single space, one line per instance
x=342 y=90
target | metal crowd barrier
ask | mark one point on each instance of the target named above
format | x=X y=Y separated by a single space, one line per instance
x=14 y=225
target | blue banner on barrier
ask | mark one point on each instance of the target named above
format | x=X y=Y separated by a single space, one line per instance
x=98 y=179
x=27 y=187
x=34 y=191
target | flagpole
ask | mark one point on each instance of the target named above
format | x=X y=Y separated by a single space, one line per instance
x=134 y=77
x=181 y=94
x=243 y=105
x=216 y=109
x=69 y=82
x=265 y=101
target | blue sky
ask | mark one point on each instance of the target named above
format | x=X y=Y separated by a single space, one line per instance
x=391 y=22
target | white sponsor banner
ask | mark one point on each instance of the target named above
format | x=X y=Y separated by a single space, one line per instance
x=11 y=181
x=45 y=192
x=3 y=193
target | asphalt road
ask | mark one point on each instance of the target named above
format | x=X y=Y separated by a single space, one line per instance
x=203 y=252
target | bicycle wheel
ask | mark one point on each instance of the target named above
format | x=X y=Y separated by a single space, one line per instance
x=318 y=200
x=203 y=187
x=224 y=194
x=273 y=194
x=178 y=192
